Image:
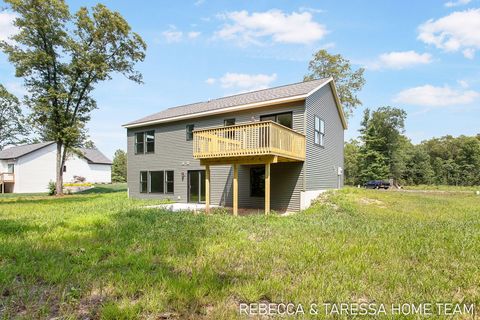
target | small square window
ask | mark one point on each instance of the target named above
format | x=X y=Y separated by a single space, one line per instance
x=229 y=133
x=229 y=122
x=189 y=132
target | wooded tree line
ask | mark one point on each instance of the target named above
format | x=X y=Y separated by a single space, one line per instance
x=384 y=152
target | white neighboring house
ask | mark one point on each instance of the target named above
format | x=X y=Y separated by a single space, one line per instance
x=29 y=168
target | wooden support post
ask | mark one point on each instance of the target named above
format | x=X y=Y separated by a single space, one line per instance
x=267 y=188
x=207 y=188
x=3 y=188
x=235 y=189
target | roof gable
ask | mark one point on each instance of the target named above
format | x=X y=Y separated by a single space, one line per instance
x=19 y=151
x=95 y=156
x=91 y=155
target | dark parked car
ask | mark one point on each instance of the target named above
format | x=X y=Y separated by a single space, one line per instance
x=377 y=184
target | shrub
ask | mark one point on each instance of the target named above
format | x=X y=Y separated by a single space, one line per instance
x=52 y=188
x=83 y=184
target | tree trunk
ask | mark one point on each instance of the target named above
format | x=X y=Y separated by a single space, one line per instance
x=59 y=167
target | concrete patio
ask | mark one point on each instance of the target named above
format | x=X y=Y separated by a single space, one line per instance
x=175 y=207
x=194 y=207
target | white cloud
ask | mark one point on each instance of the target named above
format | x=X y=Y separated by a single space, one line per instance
x=457 y=3
x=276 y=25
x=244 y=82
x=210 y=80
x=193 y=34
x=312 y=10
x=457 y=31
x=198 y=2
x=463 y=83
x=431 y=96
x=401 y=60
x=7 y=29
x=172 y=34
x=469 y=53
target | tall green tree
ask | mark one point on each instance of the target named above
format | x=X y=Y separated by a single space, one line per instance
x=382 y=137
x=418 y=169
x=347 y=80
x=119 y=166
x=352 y=162
x=62 y=57
x=13 y=128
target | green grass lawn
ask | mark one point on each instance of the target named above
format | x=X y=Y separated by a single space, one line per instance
x=99 y=255
x=443 y=188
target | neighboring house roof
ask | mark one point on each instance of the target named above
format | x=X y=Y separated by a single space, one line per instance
x=19 y=151
x=282 y=94
x=91 y=155
x=95 y=156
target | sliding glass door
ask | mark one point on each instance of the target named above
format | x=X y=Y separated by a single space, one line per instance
x=196 y=186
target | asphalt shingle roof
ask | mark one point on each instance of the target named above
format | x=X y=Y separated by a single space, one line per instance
x=92 y=155
x=95 y=156
x=16 y=152
x=235 y=100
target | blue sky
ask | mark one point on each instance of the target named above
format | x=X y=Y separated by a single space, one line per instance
x=419 y=55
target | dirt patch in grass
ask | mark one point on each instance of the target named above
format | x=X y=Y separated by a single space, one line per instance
x=369 y=201
x=89 y=307
x=324 y=200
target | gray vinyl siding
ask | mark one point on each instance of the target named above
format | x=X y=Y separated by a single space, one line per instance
x=173 y=152
x=322 y=163
x=286 y=183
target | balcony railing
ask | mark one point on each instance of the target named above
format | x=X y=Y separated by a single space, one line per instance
x=253 y=139
x=7 y=177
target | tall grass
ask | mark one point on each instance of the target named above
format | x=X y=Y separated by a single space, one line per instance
x=101 y=255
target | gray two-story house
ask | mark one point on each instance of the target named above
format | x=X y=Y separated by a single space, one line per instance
x=275 y=149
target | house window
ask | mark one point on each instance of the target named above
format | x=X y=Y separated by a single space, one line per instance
x=150 y=141
x=257 y=182
x=143 y=181
x=285 y=119
x=10 y=168
x=156 y=181
x=169 y=181
x=229 y=122
x=189 y=132
x=139 y=143
x=230 y=133
x=319 y=135
x=64 y=168
x=145 y=142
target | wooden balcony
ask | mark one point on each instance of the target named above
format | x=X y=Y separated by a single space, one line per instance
x=6 y=177
x=256 y=142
